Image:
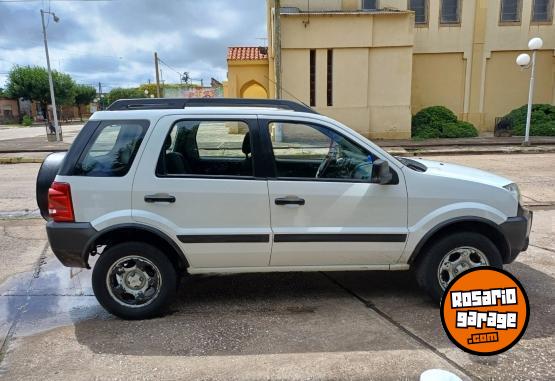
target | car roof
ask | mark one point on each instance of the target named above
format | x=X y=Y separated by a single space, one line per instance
x=156 y=114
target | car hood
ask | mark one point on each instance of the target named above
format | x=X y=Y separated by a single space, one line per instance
x=461 y=172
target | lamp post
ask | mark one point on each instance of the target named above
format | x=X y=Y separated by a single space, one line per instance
x=523 y=60
x=50 y=82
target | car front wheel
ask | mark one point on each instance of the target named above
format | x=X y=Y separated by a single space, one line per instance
x=134 y=280
x=452 y=255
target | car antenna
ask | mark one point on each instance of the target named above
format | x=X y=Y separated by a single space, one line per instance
x=297 y=99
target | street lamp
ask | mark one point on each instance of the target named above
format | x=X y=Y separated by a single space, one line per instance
x=50 y=82
x=523 y=60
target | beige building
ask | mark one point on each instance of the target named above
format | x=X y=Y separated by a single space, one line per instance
x=371 y=64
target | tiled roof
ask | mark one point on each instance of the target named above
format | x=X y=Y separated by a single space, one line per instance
x=247 y=53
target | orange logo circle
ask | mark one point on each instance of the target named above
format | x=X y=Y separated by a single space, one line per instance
x=485 y=311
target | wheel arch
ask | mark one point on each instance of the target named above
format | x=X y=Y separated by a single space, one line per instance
x=138 y=233
x=470 y=224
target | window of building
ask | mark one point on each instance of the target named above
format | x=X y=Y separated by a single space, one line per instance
x=542 y=11
x=313 y=77
x=7 y=112
x=510 y=11
x=112 y=150
x=330 y=78
x=420 y=8
x=316 y=152
x=207 y=148
x=369 y=4
x=450 y=12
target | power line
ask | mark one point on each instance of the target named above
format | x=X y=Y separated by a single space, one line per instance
x=171 y=68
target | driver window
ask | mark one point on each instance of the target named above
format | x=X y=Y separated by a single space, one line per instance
x=312 y=151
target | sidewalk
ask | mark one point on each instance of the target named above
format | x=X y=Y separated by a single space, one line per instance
x=34 y=149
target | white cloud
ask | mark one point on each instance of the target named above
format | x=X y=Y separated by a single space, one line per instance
x=210 y=33
x=113 y=42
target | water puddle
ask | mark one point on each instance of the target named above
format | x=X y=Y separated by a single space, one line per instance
x=49 y=297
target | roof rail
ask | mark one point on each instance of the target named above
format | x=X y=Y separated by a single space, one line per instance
x=179 y=103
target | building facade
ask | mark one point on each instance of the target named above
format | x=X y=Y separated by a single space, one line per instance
x=9 y=110
x=371 y=64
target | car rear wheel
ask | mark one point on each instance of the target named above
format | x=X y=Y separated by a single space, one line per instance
x=452 y=255
x=134 y=280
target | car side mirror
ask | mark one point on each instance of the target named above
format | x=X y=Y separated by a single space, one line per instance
x=381 y=173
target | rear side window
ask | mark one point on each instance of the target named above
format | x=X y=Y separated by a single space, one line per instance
x=113 y=147
x=207 y=148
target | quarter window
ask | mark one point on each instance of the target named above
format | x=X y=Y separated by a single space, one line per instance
x=112 y=150
x=315 y=152
x=207 y=148
x=420 y=8
x=510 y=10
x=450 y=12
x=542 y=10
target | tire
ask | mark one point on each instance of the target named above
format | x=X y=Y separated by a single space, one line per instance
x=138 y=268
x=428 y=264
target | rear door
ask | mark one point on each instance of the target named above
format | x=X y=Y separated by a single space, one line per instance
x=326 y=210
x=198 y=182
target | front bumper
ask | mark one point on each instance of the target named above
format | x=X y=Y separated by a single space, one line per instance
x=517 y=232
x=69 y=241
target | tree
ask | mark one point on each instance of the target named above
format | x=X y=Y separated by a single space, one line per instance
x=84 y=95
x=151 y=87
x=124 y=93
x=31 y=83
x=2 y=92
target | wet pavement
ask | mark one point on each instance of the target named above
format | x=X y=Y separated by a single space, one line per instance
x=251 y=326
x=348 y=325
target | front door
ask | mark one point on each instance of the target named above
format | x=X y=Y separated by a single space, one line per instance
x=325 y=209
x=197 y=183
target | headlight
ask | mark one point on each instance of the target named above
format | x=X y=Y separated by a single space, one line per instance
x=513 y=188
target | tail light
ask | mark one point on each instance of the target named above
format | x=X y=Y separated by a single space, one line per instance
x=60 y=207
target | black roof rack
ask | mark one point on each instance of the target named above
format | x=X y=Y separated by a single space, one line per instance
x=179 y=103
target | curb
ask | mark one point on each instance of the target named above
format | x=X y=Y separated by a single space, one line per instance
x=491 y=151
x=21 y=160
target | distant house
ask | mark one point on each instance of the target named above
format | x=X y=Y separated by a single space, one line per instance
x=9 y=110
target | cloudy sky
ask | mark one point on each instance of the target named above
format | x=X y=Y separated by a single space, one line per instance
x=113 y=41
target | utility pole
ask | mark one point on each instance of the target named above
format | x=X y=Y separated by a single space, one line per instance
x=277 y=48
x=157 y=75
x=50 y=82
x=99 y=96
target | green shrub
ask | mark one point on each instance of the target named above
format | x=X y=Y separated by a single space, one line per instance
x=427 y=132
x=541 y=124
x=27 y=120
x=459 y=129
x=440 y=122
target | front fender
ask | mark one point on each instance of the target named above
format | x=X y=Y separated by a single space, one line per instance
x=446 y=215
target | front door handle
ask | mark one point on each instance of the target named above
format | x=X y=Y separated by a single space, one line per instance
x=159 y=197
x=289 y=200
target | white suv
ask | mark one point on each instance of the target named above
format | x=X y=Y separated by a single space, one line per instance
x=162 y=187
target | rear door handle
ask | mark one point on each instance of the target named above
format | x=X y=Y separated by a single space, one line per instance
x=289 y=200
x=159 y=197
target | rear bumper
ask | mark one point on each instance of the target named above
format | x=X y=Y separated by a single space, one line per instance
x=69 y=241
x=517 y=232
